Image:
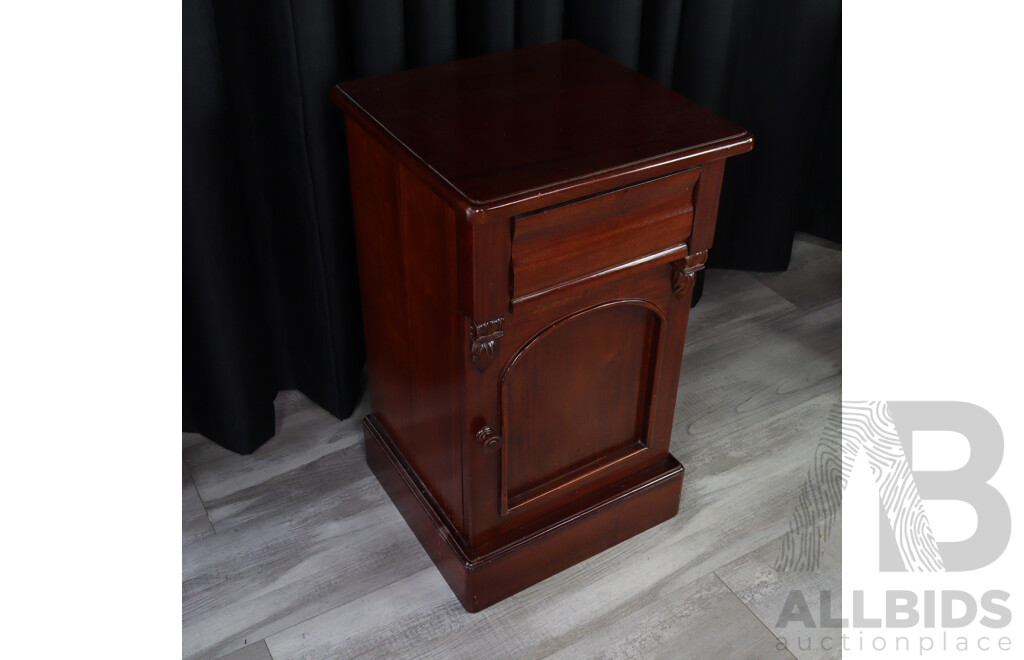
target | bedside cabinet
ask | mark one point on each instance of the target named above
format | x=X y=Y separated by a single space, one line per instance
x=528 y=226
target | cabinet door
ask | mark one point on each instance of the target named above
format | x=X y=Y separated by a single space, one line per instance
x=586 y=390
x=585 y=366
x=578 y=397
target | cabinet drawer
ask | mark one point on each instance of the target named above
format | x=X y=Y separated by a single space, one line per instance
x=570 y=241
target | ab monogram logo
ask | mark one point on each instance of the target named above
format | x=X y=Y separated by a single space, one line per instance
x=877 y=435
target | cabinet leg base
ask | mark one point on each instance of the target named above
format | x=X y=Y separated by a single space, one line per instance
x=485 y=575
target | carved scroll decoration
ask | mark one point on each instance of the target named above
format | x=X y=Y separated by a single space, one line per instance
x=484 y=336
x=685 y=273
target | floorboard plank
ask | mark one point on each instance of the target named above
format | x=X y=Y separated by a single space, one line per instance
x=670 y=622
x=195 y=524
x=305 y=434
x=747 y=370
x=731 y=296
x=256 y=651
x=331 y=487
x=673 y=622
x=259 y=579
x=814 y=275
x=756 y=580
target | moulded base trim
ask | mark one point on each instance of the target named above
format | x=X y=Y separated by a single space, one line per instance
x=495 y=570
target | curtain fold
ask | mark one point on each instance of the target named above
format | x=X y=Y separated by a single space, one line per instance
x=271 y=297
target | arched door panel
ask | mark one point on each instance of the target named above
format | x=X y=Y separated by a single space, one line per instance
x=577 y=398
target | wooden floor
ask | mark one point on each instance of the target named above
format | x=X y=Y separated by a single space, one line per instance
x=296 y=552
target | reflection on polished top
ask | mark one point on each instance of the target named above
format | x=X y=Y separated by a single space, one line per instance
x=530 y=120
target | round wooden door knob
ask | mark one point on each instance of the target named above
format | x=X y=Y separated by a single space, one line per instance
x=488 y=439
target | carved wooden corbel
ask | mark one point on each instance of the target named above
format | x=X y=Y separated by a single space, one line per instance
x=685 y=273
x=483 y=337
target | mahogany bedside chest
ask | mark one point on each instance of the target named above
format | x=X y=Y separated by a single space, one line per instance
x=528 y=227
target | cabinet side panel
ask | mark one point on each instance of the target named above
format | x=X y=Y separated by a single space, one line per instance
x=431 y=437
x=405 y=238
x=374 y=180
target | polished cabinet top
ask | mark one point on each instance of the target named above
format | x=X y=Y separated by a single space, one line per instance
x=530 y=120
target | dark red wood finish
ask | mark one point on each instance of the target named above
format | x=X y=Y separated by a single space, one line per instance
x=504 y=125
x=563 y=243
x=528 y=228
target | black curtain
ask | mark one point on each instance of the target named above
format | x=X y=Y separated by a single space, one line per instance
x=271 y=297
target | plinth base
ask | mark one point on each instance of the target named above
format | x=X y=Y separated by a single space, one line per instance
x=481 y=576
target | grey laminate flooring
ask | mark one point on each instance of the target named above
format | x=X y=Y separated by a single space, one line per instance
x=296 y=552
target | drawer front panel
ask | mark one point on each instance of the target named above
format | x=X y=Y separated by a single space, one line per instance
x=570 y=241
